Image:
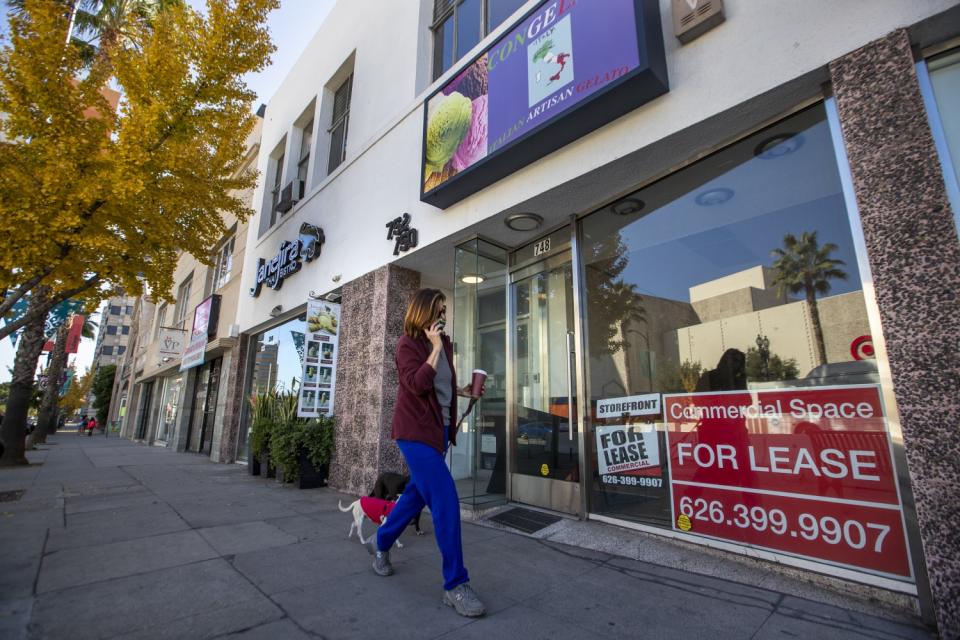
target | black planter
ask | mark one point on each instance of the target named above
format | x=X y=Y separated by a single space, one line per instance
x=271 y=470
x=311 y=477
x=253 y=464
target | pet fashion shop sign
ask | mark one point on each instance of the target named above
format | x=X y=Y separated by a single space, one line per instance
x=567 y=68
x=289 y=258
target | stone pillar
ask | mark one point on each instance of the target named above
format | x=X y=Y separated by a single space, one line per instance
x=914 y=255
x=371 y=322
x=232 y=392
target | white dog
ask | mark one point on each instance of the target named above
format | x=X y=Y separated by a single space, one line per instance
x=374 y=509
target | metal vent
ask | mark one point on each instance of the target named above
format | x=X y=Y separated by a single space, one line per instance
x=693 y=18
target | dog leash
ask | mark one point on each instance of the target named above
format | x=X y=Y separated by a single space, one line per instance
x=472 y=402
x=449 y=453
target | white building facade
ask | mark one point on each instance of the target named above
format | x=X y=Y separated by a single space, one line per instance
x=684 y=265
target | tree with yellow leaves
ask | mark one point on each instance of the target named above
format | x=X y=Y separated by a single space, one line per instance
x=72 y=401
x=114 y=198
x=92 y=196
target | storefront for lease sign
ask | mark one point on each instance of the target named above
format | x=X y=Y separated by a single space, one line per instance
x=808 y=472
x=567 y=68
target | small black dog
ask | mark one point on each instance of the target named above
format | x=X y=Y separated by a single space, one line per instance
x=389 y=486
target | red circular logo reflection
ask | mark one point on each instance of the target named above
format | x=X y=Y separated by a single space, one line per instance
x=862 y=348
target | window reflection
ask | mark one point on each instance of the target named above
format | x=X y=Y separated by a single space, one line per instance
x=277 y=364
x=736 y=273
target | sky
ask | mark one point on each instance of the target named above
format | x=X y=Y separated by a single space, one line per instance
x=291 y=28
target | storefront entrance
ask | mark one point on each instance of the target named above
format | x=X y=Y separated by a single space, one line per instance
x=542 y=389
x=204 y=412
x=685 y=363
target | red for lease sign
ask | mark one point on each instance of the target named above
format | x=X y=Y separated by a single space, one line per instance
x=805 y=471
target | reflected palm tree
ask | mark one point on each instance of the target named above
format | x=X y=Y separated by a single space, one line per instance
x=804 y=265
x=98 y=25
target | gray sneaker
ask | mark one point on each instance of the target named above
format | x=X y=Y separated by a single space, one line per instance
x=464 y=600
x=381 y=559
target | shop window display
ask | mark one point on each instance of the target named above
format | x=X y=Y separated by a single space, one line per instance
x=731 y=371
x=169 y=407
x=478 y=462
x=277 y=363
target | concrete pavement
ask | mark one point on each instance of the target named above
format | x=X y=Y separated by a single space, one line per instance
x=110 y=539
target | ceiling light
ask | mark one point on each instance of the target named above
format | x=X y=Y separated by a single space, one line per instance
x=472 y=279
x=714 y=197
x=523 y=221
x=627 y=206
x=277 y=310
x=780 y=145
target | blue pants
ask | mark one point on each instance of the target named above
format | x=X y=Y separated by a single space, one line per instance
x=430 y=484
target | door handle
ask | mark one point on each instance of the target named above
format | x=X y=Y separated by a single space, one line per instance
x=570 y=384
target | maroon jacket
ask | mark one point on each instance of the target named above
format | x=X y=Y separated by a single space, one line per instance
x=417 y=415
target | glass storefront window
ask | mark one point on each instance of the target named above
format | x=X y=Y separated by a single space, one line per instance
x=478 y=462
x=728 y=336
x=169 y=407
x=944 y=73
x=277 y=365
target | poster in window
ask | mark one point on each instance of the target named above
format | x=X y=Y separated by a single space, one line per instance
x=318 y=388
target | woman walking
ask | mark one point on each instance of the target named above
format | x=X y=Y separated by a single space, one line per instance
x=423 y=428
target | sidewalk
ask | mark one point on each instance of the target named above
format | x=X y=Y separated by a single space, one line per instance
x=115 y=540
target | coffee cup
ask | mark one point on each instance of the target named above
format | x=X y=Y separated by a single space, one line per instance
x=476 y=385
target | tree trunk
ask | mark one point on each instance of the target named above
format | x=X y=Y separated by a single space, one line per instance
x=817 y=328
x=47 y=418
x=13 y=430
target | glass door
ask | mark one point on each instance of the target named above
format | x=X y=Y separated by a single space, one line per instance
x=545 y=455
x=210 y=408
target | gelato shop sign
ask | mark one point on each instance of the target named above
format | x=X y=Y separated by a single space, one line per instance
x=289 y=258
x=567 y=68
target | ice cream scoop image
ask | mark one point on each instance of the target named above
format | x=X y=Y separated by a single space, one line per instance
x=447 y=126
x=474 y=146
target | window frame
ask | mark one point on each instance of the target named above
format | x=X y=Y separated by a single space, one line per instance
x=223 y=260
x=444 y=10
x=303 y=159
x=161 y=318
x=338 y=120
x=277 y=188
x=183 y=299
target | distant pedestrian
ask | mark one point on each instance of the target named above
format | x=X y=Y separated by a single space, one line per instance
x=91 y=426
x=83 y=424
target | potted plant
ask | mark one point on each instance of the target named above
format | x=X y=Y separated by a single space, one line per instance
x=300 y=448
x=263 y=414
x=283 y=435
x=316 y=449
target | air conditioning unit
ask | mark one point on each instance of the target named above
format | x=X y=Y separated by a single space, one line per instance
x=290 y=195
x=693 y=18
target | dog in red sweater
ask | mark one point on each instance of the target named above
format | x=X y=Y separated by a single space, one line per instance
x=374 y=509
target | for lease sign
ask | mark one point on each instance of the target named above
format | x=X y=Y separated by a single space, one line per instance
x=806 y=471
x=624 y=448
